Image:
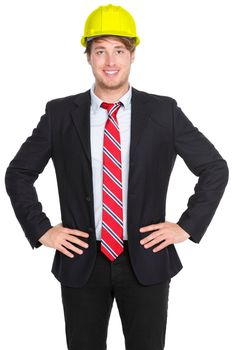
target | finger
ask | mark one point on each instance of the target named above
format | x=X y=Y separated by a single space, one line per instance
x=154 y=241
x=72 y=247
x=77 y=232
x=153 y=235
x=73 y=239
x=151 y=227
x=160 y=232
x=65 y=251
x=161 y=246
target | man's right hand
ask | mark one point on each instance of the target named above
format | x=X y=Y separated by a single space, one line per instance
x=60 y=238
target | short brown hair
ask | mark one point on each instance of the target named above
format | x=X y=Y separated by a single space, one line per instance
x=128 y=42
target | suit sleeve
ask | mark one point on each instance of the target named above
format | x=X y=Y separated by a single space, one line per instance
x=20 y=176
x=207 y=164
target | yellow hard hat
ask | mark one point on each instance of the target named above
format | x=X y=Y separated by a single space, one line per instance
x=107 y=20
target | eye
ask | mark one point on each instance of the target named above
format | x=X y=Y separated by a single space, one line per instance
x=99 y=52
x=119 y=52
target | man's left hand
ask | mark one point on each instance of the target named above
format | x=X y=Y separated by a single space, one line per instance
x=165 y=232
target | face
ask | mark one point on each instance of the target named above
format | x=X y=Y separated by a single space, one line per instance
x=110 y=62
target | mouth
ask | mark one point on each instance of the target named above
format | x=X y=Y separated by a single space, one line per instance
x=111 y=72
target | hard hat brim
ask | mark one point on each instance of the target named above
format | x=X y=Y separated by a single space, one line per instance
x=85 y=39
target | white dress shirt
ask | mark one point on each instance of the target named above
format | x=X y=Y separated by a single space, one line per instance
x=98 y=118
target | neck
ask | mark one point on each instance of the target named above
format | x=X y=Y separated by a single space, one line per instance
x=110 y=95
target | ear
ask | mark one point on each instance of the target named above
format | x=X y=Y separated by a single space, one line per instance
x=132 y=56
x=88 y=58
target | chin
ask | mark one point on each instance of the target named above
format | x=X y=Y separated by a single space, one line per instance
x=112 y=85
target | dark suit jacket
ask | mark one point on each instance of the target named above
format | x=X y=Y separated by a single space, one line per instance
x=159 y=131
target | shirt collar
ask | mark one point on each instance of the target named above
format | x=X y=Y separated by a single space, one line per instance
x=96 y=101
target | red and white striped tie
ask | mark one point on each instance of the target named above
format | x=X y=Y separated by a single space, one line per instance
x=112 y=215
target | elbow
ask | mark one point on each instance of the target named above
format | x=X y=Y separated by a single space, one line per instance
x=219 y=172
x=8 y=180
x=13 y=180
x=225 y=172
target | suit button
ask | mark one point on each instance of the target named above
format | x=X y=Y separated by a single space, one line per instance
x=90 y=229
x=88 y=199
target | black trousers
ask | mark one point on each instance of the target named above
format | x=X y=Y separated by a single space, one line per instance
x=142 y=309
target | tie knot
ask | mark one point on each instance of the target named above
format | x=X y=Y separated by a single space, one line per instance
x=111 y=107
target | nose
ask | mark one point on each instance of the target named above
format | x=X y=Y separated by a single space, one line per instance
x=110 y=60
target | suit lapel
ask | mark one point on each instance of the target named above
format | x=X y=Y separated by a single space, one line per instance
x=81 y=119
x=139 y=118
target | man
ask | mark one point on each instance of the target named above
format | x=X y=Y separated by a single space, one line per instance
x=113 y=148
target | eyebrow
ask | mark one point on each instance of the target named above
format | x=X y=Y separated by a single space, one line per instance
x=115 y=47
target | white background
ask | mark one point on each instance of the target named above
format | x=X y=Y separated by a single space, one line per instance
x=185 y=53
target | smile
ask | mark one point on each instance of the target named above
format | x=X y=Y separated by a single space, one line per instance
x=111 y=72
